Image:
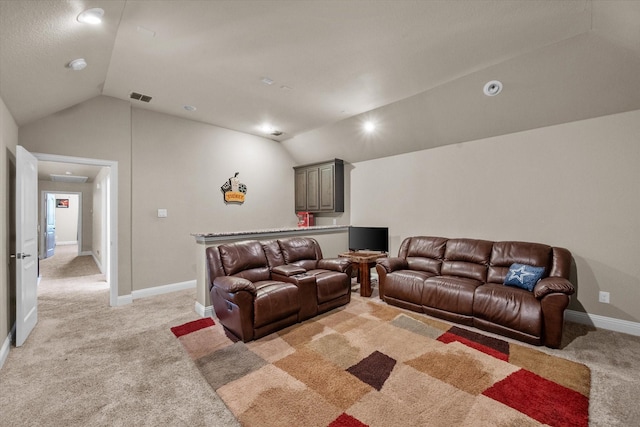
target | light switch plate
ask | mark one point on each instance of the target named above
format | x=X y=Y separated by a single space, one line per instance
x=162 y=213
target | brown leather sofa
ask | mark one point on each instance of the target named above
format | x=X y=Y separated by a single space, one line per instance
x=257 y=288
x=462 y=280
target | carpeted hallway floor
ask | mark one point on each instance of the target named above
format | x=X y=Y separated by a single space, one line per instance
x=88 y=364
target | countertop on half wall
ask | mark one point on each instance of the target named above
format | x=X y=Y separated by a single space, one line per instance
x=333 y=240
x=225 y=236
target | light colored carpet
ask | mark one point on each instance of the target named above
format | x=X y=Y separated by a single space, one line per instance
x=66 y=263
x=88 y=364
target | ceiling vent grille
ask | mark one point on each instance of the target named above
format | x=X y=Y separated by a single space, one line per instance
x=139 y=97
x=69 y=178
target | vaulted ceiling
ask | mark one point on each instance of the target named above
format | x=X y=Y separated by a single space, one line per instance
x=316 y=69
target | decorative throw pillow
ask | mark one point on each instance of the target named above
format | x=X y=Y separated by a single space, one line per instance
x=523 y=276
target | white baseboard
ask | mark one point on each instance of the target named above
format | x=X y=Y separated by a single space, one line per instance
x=70 y=242
x=124 y=300
x=156 y=290
x=165 y=289
x=204 y=311
x=6 y=346
x=95 y=259
x=85 y=253
x=609 y=323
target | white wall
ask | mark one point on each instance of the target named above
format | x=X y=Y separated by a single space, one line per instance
x=67 y=219
x=575 y=185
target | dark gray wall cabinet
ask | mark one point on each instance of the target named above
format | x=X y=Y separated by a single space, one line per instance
x=319 y=187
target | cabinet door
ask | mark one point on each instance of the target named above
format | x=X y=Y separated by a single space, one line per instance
x=301 y=190
x=327 y=194
x=313 y=197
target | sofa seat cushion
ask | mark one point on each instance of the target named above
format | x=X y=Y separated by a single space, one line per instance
x=406 y=285
x=450 y=293
x=511 y=307
x=330 y=284
x=274 y=301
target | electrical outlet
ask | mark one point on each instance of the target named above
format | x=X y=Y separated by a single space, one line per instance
x=603 y=297
x=162 y=213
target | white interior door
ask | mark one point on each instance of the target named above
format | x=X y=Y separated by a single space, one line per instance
x=26 y=244
x=50 y=225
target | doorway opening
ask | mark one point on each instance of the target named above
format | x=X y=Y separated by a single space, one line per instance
x=61 y=222
x=103 y=211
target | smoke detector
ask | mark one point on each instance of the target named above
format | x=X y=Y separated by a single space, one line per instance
x=492 y=88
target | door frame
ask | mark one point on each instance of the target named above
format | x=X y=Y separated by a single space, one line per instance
x=112 y=273
x=43 y=225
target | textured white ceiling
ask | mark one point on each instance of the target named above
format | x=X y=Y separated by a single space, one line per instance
x=420 y=63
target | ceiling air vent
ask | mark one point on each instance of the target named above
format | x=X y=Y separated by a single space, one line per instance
x=69 y=178
x=139 y=97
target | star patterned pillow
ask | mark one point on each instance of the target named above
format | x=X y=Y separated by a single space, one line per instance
x=523 y=276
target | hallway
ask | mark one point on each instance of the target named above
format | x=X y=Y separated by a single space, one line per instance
x=66 y=263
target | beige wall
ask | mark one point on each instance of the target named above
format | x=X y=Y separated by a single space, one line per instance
x=174 y=164
x=97 y=129
x=8 y=142
x=575 y=185
x=180 y=165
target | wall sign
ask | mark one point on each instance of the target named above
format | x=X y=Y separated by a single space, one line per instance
x=62 y=203
x=233 y=190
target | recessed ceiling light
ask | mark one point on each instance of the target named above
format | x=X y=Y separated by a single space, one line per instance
x=91 y=16
x=270 y=129
x=77 y=64
x=190 y=108
x=267 y=128
x=369 y=126
x=492 y=88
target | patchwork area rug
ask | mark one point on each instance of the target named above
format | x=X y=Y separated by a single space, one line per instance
x=370 y=364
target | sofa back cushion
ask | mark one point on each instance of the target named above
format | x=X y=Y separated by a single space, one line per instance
x=467 y=258
x=273 y=253
x=423 y=253
x=506 y=253
x=302 y=251
x=245 y=259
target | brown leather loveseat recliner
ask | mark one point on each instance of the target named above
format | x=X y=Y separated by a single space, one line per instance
x=257 y=288
x=463 y=280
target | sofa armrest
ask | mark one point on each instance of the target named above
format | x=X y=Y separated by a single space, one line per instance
x=550 y=285
x=288 y=270
x=336 y=264
x=231 y=284
x=392 y=264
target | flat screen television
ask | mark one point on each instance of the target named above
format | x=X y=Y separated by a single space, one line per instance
x=369 y=238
